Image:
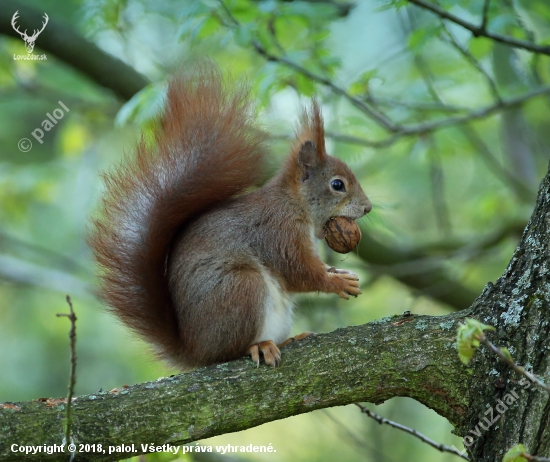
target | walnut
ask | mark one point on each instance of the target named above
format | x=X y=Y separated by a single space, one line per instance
x=342 y=234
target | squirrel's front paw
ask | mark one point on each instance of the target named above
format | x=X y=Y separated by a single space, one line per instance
x=270 y=351
x=347 y=283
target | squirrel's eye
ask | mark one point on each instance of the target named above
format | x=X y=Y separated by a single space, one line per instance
x=338 y=185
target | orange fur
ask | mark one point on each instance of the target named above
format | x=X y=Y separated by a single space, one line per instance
x=206 y=152
x=192 y=263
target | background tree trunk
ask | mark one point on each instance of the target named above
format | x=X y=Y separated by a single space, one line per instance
x=517 y=305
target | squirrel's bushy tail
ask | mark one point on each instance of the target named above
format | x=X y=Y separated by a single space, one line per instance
x=207 y=150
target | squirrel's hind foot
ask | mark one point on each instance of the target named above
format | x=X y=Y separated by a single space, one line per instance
x=270 y=352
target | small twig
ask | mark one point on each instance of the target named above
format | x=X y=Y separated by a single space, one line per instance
x=416 y=105
x=273 y=33
x=508 y=360
x=437 y=179
x=530 y=36
x=399 y=131
x=350 y=139
x=521 y=191
x=52 y=257
x=361 y=444
x=456 y=247
x=72 y=380
x=437 y=182
x=378 y=117
x=473 y=61
x=534 y=458
x=426 y=127
x=485 y=16
x=427 y=78
x=382 y=420
x=429 y=127
x=478 y=31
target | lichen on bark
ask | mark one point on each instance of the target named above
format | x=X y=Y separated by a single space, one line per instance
x=418 y=359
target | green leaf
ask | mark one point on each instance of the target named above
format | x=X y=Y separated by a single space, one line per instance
x=243 y=36
x=387 y=5
x=480 y=47
x=206 y=27
x=143 y=106
x=515 y=454
x=193 y=9
x=304 y=85
x=361 y=85
x=297 y=56
x=417 y=38
x=467 y=339
x=268 y=6
x=421 y=36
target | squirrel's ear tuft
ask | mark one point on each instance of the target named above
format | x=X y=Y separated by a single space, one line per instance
x=311 y=130
x=316 y=126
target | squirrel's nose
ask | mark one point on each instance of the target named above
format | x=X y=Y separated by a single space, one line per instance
x=367 y=208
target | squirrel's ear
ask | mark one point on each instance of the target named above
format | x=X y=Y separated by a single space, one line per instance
x=308 y=156
x=308 y=159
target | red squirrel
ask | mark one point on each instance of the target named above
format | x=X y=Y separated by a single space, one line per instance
x=193 y=260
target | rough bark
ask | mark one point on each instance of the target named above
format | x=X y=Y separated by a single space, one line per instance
x=518 y=306
x=418 y=359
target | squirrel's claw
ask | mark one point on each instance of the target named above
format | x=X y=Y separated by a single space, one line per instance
x=349 y=284
x=270 y=352
x=254 y=352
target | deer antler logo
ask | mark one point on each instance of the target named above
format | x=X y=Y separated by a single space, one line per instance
x=29 y=41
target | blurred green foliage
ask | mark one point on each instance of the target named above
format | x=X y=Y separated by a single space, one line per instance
x=440 y=192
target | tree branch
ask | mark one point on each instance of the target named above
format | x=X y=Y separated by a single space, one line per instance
x=411 y=431
x=508 y=360
x=478 y=31
x=26 y=272
x=346 y=366
x=375 y=115
x=427 y=127
x=485 y=15
x=520 y=190
x=69 y=46
x=472 y=60
x=432 y=280
x=72 y=375
x=432 y=126
x=342 y=8
x=415 y=105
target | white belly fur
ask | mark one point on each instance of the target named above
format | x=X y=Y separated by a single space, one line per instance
x=278 y=311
